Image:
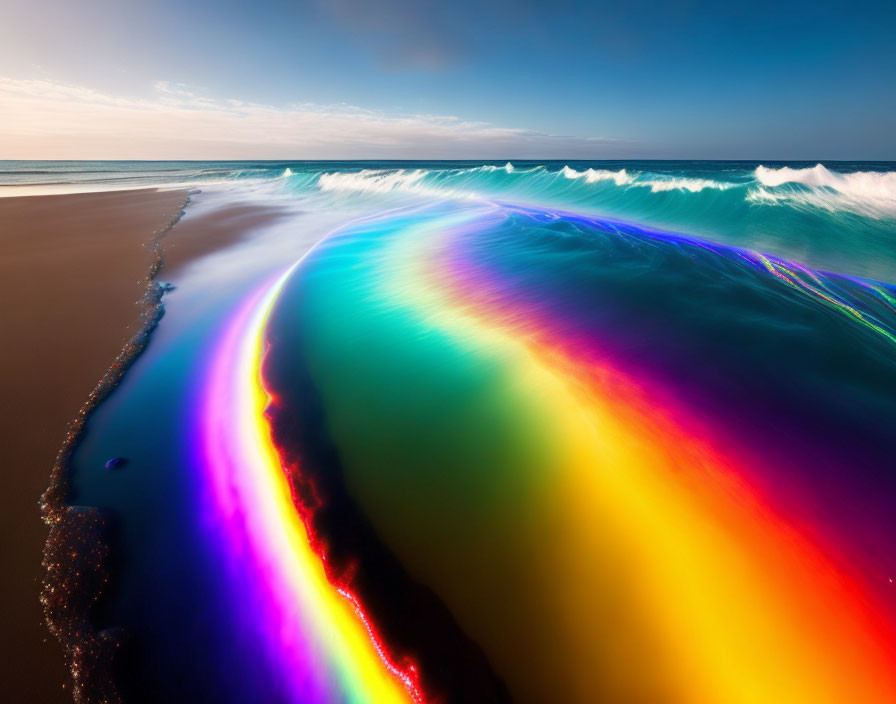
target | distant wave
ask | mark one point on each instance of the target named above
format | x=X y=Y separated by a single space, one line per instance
x=655 y=182
x=693 y=185
x=865 y=192
x=621 y=177
x=387 y=181
x=838 y=217
x=508 y=167
x=457 y=183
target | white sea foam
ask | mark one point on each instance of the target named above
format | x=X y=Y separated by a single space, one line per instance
x=692 y=185
x=287 y=172
x=621 y=177
x=651 y=181
x=489 y=168
x=370 y=180
x=869 y=193
x=387 y=181
x=508 y=167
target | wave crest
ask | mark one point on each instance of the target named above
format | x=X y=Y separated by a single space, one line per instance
x=387 y=181
x=871 y=193
x=692 y=185
x=621 y=177
x=508 y=167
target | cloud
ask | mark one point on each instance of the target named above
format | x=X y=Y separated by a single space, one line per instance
x=41 y=119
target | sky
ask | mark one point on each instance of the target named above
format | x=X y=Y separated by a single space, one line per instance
x=348 y=79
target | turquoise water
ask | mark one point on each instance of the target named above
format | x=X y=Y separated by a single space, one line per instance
x=838 y=216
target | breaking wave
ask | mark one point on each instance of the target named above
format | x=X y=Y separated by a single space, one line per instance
x=836 y=216
x=833 y=219
x=870 y=193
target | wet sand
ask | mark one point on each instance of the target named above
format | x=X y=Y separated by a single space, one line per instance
x=196 y=236
x=72 y=274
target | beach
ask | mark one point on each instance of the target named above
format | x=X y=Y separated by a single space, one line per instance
x=75 y=267
x=448 y=353
x=72 y=273
x=307 y=391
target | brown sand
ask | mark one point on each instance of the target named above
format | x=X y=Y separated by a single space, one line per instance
x=72 y=270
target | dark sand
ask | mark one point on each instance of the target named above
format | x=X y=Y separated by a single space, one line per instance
x=72 y=273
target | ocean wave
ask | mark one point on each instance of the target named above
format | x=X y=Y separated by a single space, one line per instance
x=621 y=177
x=372 y=180
x=791 y=210
x=870 y=193
x=692 y=185
x=655 y=182
x=508 y=167
x=839 y=217
x=388 y=181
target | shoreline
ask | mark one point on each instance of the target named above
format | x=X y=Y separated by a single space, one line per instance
x=76 y=550
x=78 y=545
x=69 y=273
x=73 y=265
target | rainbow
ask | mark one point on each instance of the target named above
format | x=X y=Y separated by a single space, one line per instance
x=315 y=633
x=594 y=533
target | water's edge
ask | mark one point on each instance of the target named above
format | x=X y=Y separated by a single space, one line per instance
x=77 y=547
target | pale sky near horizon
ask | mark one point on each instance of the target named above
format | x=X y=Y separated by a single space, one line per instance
x=342 y=79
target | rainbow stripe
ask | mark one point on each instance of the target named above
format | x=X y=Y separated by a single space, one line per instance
x=317 y=638
x=600 y=539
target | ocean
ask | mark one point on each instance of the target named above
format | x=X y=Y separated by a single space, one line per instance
x=836 y=216
x=506 y=431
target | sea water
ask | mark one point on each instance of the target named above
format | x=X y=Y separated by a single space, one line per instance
x=471 y=365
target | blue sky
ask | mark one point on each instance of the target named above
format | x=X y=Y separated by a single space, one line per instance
x=799 y=80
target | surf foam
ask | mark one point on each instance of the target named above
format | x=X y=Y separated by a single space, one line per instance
x=870 y=193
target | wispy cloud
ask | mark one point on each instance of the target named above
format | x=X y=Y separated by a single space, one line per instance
x=48 y=119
